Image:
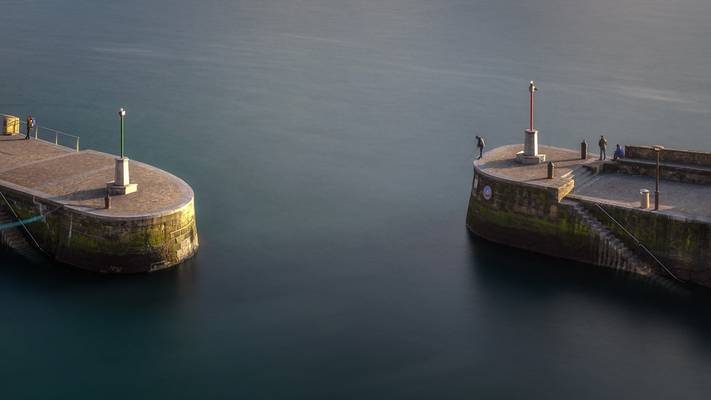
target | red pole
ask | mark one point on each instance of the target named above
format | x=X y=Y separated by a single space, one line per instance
x=531 y=114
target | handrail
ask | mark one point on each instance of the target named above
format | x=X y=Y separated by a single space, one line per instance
x=57 y=133
x=638 y=243
x=23 y=224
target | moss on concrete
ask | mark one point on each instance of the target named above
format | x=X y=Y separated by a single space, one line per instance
x=107 y=244
x=533 y=218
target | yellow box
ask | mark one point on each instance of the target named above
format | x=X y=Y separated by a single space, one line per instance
x=10 y=125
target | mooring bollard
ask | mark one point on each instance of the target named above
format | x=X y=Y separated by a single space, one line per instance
x=107 y=201
x=583 y=150
x=644 y=199
x=551 y=170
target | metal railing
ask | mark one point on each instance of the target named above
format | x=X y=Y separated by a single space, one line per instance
x=45 y=134
x=56 y=137
x=638 y=243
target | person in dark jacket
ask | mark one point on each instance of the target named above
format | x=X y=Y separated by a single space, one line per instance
x=30 y=126
x=603 y=146
x=480 y=144
x=619 y=153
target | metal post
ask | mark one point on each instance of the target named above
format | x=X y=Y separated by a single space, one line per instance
x=656 y=188
x=583 y=150
x=56 y=138
x=122 y=113
x=531 y=89
x=77 y=144
x=531 y=112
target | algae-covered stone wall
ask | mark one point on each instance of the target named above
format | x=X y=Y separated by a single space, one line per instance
x=108 y=244
x=684 y=246
x=533 y=218
x=528 y=217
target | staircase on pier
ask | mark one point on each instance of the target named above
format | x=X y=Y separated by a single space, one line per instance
x=14 y=238
x=612 y=252
x=584 y=176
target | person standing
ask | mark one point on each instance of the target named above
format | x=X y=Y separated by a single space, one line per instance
x=30 y=126
x=480 y=144
x=603 y=146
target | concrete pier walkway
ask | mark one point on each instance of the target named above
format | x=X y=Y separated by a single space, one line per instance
x=680 y=199
x=501 y=162
x=78 y=179
x=151 y=229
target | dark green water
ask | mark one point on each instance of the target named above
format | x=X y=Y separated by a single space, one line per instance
x=329 y=144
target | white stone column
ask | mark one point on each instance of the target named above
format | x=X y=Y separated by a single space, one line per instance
x=122 y=182
x=530 y=144
x=530 y=155
x=122 y=177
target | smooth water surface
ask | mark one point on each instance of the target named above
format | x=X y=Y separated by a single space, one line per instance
x=329 y=143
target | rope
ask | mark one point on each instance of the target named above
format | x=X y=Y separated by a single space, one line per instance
x=21 y=222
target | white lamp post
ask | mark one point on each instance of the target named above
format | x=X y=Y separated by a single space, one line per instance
x=530 y=154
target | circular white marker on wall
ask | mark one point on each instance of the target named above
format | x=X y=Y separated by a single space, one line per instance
x=487 y=192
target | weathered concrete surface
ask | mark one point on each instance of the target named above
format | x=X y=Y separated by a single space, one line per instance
x=151 y=229
x=528 y=211
x=501 y=162
x=684 y=200
x=78 y=179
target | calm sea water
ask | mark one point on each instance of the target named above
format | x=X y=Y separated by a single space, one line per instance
x=329 y=144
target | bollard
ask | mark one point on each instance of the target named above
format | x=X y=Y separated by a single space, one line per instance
x=551 y=170
x=583 y=150
x=107 y=201
x=644 y=199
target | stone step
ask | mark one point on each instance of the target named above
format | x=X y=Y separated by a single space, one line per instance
x=613 y=251
x=14 y=238
x=583 y=177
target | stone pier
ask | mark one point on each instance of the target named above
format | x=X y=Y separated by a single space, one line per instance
x=151 y=229
x=571 y=215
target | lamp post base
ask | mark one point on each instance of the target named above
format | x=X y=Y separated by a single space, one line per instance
x=524 y=159
x=530 y=155
x=116 y=190
x=121 y=185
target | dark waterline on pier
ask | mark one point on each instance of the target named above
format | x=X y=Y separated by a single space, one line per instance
x=329 y=144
